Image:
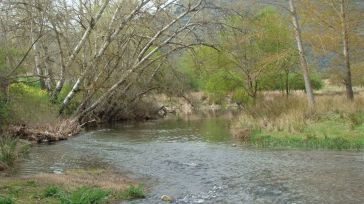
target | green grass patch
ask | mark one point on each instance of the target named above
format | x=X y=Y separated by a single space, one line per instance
x=85 y=195
x=133 y=192
x=37 y=190
x=6 y=200
x=334 y=135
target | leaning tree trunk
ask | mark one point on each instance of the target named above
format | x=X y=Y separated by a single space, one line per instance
x=109 y=39
x=297 y=28
x=77 y=49
x=345 y=40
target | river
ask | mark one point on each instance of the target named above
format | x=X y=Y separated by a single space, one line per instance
x=197 y=162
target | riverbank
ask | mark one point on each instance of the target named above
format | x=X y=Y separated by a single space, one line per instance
x=279 y=122
x=73 y=186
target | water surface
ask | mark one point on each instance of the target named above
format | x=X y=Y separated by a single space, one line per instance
x=195 y=162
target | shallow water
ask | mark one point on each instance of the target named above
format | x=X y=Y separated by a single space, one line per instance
x=195 y=162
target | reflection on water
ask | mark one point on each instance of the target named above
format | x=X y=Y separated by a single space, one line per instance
x=195 y=163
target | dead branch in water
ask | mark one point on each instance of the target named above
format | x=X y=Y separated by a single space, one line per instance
x=66 y=129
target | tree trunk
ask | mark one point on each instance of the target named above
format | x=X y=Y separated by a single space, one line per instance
x=140 y=59
x=49 y=81
x=287 y=84
x=38 y=68
x=297 y=28
x=345 y=39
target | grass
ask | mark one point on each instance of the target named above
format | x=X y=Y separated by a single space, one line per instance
x=6 y=200
x=8 y=153
x=10 y=150
x=334 y=123
x=74 y=187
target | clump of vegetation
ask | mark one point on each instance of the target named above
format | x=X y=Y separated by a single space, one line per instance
x=133 y=191
x=11 y=149
x=277 y=121
x=8 y=153
x=6 y=200
x=85 y=195
x=52 y=191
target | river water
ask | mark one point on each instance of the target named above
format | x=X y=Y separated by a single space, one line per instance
x=196 y=162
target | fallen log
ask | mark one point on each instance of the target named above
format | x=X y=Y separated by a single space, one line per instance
x=60 y=132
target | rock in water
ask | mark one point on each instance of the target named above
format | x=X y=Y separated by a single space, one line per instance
x=166 y=198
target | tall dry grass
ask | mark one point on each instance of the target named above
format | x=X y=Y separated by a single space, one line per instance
x=275 y=112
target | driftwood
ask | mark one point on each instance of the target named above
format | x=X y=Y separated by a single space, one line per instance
x=65 y=130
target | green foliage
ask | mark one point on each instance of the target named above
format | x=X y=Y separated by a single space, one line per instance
x=310 y=142
x=31 y=92
x=297 y=82
x=30 y=105
x=6 y=200
x=45 y=190
x=73 y=105
x=4 y=53
x=85 y=195
x=241 y=97
x=52 y=191
x=257 y=54
x=30 y=81
x=133 y=192
x=277 y=81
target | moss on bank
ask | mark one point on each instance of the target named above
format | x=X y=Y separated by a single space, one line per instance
x=80 y=186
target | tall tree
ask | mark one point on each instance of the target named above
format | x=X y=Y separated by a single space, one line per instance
x=346 y=49
x=301 y=51
x=332 y=30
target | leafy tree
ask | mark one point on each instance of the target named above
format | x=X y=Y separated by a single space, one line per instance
x=256 y=54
